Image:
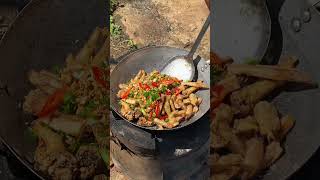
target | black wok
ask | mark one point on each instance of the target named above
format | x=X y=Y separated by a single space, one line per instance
x=303 y=141
x=41 y=37
x=148 y=59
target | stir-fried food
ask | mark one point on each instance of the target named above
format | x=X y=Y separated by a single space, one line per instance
x=157 y=99
x=71 y=107
x=247 y=131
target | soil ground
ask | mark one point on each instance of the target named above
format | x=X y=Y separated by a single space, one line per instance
x=140 y=23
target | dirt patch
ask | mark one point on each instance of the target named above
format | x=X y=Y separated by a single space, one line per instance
x=164 y=22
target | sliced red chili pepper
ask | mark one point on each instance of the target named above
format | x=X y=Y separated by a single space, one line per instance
x=154 y=84
x=177 y=91
x=164 y=117
x=147 y=87
x=144 y=86
x=157 y=109
x=53 y=102
x=150 y=116
x=218 y=89
x=125 y=94
x=167 y=81
x=168 y=92
x=98 y=76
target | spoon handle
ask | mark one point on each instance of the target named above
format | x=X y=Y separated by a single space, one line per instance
x=199 y=38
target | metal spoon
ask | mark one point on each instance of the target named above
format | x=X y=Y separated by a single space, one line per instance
x=183 y=67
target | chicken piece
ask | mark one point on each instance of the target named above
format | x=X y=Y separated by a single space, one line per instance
x=199 y=101
x=186 y=101
x=63 y=167
x=131 y=101
x=193 y=99
x=69 y=124
x=247 y=125
x=161 y=104
x=213 y=158
x=253 y=160
x=189 y=90
x=50 y=155
x=35 y=101
x=273 y=152
x=198 y=84
x=137 y=113
x=189 y=111
x=88 y=158
x=236 y=145
x=217 y=141
x=126 y=111
x=123 y=86
x=161 y=123
x=223 y=88
x=287 y=122
x=223 y=113
x=167 y=108
x=228 y=85
x=144 y=122
x=172 y=104
x=139 y=75
x=176 y=116
x=243 y=100
x=178 y=102
x=271 y=72
x=59 y=165
x=267 y=117
x=221 y=135
x=45 y=81
x=195 y=109
x=226 y=162
x=52 y=140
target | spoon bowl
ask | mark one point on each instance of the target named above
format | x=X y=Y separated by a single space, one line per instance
x=183 y=67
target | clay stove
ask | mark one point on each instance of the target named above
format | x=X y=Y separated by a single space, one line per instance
x=177 y=154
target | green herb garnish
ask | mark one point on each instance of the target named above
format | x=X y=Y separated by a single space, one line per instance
x=143 y=112
x=151 y=96
x=131 y=95
x=88 y=109
x=163 y=89
x=69 y=105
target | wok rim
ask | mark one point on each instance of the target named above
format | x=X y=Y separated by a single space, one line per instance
x=121 y=60
x=29 y=165
x=21 y=157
